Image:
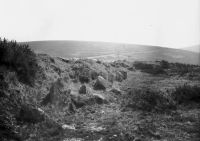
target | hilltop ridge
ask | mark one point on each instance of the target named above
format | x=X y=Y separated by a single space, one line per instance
x=113 y=51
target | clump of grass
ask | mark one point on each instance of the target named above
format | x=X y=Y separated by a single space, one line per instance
x=147 y=100
x=19 y=58
x=186 y=94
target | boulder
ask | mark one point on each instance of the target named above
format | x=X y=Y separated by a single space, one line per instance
x=119 y=76
x=82 y=100
x=79 y=101
x=57 y=88
x=116 y=90
x=111 y=77
x=84 y=79
x=93 y=74
x=124 y=74
x=100 y=84
x=83 y=89
x=99 y=99
x=70 y=127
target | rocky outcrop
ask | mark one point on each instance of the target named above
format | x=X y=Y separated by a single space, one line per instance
x=55 y=90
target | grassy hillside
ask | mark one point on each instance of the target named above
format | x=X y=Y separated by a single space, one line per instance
x=195 y=48
x=92 y=100
x=113 y=51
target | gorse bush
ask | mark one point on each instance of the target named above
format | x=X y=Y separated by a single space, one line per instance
x=19 y=58
x=186 y=93
x=147 y=100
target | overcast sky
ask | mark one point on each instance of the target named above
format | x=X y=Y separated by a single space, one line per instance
x=171 y=23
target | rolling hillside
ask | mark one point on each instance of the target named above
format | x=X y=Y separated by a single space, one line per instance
x=195 y=48
x=113 y=51
x=47 y=98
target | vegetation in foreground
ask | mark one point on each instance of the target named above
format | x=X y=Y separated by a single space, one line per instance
x=19 y=58
x=72 y=100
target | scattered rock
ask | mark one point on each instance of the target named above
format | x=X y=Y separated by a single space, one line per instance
x=111 y=77
x=93 y=74
x=119 y=76
x=40 y=110
x=72 y=75
x=131 y=68
x=100 y=84
x=83 y=89
x=124 y=74
x=79 y=101
x=71 y=127
x=99 y=99
x=84 y=79
x=65 y=60
x=137 y=139
x=55 y=90
x=73 y=139
x=116 y=91
x=71 y=108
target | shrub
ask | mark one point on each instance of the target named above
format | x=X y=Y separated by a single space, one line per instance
x=164 y=64
x=147 y=100
x=11 y=104
x=81 y=72
x=186 y=93
x=183 y=69
x=149 y=68
x=19 y=58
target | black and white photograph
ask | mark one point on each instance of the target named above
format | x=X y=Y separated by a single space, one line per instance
x=99 y=70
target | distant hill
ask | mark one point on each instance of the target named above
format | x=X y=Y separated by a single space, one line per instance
x=113 y=51
x=195 y=48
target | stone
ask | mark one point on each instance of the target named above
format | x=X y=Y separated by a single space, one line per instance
x=100 y=84
x=79 y=101
x=124 y=74
x=99 y=99
x=116 y=90
x=84 y=79
x=55 y=90
x=93 y=74
x=119 y=76
x=83 y=89
x=71 y=127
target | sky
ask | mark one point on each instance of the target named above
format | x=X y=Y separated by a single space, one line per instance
x=169 y=23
